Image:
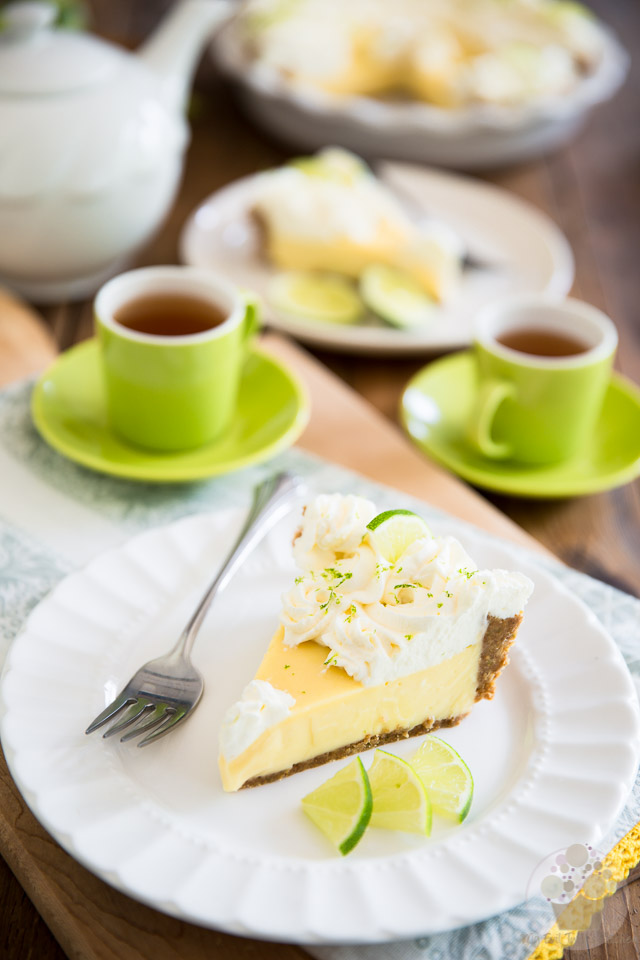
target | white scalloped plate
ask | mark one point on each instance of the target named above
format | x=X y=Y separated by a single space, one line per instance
x=530 y=254
x=553 y=755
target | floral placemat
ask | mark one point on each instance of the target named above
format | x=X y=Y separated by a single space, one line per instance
x=55 y=516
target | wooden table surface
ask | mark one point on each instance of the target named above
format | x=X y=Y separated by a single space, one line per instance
x=592 y=190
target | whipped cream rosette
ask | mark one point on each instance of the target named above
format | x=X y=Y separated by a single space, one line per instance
x=260 y=707
x=380 y=621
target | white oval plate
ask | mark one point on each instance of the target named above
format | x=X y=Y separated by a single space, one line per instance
x=530 y=254
x=553 y=755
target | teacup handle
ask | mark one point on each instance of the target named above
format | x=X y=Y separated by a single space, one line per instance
x=252 y=315
x=492 y=395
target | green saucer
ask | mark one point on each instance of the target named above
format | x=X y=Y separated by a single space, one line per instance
x=68 y=408
x=435 y=408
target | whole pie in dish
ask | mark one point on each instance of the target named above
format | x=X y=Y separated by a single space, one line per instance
x=380 y=638
x=449 y=53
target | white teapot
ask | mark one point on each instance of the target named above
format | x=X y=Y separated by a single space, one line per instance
x=91 y=144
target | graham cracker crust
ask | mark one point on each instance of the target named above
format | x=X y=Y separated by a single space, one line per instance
x=494 y=657
x=367 y=743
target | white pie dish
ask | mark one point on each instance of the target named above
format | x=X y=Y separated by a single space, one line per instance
x=554 y=755
x=472 y=138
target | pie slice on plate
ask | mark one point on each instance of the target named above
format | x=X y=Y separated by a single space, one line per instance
x=388 y=632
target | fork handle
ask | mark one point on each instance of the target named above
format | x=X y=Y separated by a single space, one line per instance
x=271 y=500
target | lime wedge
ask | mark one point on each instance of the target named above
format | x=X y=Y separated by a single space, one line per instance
x=400 y=801
x=332 y=163
x=255 y=21
x=341 y=807
x=393 y=531
x=567 y=10
x=323 y=297
x=395 y=297
x=446 y=777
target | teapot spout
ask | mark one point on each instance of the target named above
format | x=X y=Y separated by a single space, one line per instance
x=173 y=49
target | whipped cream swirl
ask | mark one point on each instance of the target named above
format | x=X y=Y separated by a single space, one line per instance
x=261 y=706
x=333 y=525
x=321 y=210
x=381 y=621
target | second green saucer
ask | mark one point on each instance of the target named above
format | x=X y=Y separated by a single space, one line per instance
x=435 y=408
x=69 y=410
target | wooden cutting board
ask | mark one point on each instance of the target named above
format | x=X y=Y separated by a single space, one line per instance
x=90 y=920
x=26 y=344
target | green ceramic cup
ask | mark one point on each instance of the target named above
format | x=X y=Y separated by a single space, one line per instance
x=538 y=409
x=172 y=393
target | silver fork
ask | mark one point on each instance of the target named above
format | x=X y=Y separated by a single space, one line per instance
x=165 y=691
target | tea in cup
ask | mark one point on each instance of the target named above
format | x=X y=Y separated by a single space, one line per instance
x=544 y=366
x=173 y=343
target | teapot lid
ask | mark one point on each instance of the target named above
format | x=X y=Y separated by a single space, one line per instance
x=35 y=58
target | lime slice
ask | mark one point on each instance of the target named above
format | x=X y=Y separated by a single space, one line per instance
x=400 y=801
x=568 y=10
x=393 y=531
x=395 y=297
x=446 y=777
x=324 y=297
x=333 y=163
x=341 y=807
x=256 y=21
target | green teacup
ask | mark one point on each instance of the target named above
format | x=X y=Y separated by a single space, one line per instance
x=178 y=391
x=544 y=366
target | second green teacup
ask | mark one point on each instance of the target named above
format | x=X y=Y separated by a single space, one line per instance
x=168 y=389
x=544 y=366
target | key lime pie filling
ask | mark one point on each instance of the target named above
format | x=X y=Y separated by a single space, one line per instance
x=371 y=647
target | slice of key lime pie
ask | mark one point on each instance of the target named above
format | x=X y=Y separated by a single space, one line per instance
x=331 y=213
x=388 y=632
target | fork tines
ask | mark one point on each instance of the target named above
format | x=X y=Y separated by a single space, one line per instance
x=142 y=714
